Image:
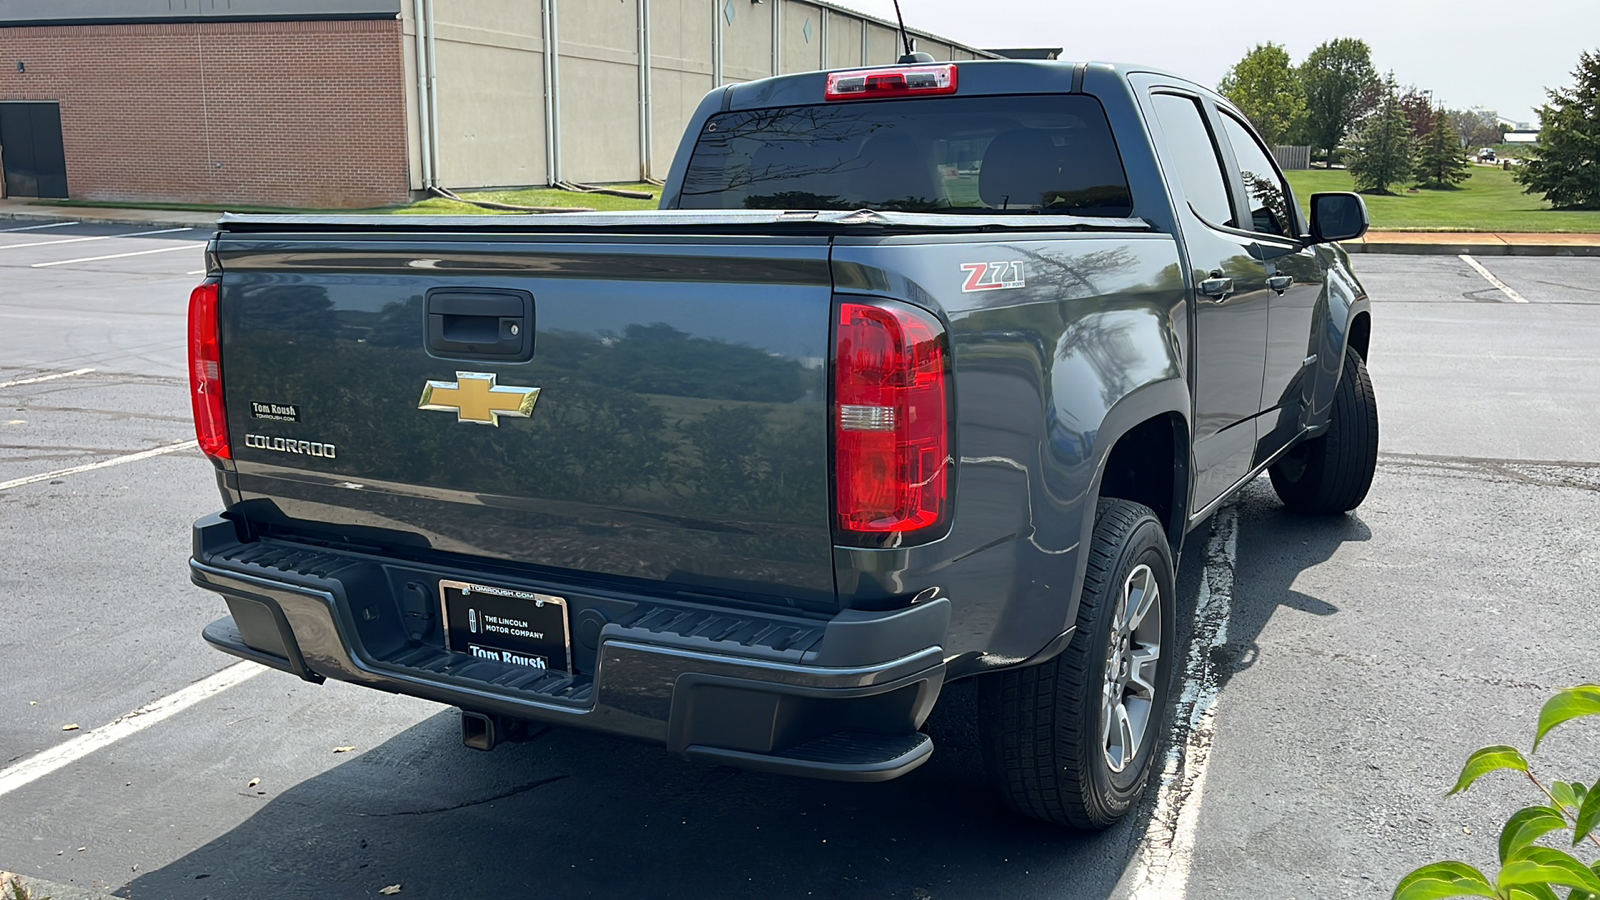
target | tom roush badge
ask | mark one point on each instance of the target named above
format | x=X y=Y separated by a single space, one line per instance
x=277 y=412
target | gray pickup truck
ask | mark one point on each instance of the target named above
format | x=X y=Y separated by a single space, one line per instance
x=921 y=373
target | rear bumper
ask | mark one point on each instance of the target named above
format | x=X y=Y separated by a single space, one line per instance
x=838 y=698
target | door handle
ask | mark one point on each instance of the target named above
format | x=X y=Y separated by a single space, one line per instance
x=475 y=323
x=1280 y=283
x=1217 y=287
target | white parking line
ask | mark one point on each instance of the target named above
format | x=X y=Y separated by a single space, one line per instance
x=1504 y=288
x=89 y=467
x=46 y=761
x=37 y=227
x=1163 y=867
x=98 y=237
x=39 y=378
x=68 y=262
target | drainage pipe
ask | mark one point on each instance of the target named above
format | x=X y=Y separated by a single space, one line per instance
x=646 y=130
x=777 y=37
x=552 y=94
x=423 y=140
x=433 y=90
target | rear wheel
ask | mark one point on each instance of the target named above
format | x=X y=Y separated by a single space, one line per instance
x=1072 y=740
x=1331 y=473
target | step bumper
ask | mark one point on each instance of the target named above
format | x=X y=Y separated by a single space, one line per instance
x=844 y=703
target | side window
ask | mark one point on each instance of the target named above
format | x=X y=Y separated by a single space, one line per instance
x=1199 y=167
x=1269 y=197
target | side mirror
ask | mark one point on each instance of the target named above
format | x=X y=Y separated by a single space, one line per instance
x=1337 y=217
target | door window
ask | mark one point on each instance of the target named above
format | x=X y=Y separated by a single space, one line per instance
x=1269 y=196
x=1193 y=154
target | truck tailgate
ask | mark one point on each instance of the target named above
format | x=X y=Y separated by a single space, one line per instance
x=678 y=434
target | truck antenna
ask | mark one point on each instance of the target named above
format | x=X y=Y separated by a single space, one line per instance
x=911 y=55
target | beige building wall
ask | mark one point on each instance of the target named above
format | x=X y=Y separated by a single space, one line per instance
x=681 y=36
x=844 y=40
x=746 y=41
x=491 y=78
x=883 y=45
x=489 y=57
x=599 y=79
x=801 y=27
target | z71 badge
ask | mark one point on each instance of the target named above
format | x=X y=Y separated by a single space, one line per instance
x=992 y=276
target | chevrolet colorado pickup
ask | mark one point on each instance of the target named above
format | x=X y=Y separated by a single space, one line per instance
x=921 y=373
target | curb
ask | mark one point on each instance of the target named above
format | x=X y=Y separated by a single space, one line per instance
x=91 y=218
x=1476 y=249
x=39 y=889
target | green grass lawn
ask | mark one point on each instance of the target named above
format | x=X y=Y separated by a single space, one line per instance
x=533 y=197
x=1487 y=201
x=431 y=206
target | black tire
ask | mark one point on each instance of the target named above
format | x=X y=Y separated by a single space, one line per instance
x=1044 y=747
x=1331 y=473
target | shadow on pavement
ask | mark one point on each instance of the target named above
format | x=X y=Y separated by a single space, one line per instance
x=576 y=815
x=1275 y=546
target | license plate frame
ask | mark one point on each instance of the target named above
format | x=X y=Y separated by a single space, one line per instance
x=506 y=625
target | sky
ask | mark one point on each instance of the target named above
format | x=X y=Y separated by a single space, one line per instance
x=1493 y=54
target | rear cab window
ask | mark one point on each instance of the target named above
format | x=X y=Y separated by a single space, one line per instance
x=1194 y=155
x=1051 y=154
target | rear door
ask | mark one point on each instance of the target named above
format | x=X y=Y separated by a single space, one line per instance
x=1230 y=294
x=666 y=424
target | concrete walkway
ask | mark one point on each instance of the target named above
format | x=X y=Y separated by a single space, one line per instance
x=1411 y=242
x=1476 y=243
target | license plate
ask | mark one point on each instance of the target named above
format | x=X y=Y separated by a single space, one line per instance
x=506 y=625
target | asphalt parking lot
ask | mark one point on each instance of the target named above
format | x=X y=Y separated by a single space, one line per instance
x=1343 y=667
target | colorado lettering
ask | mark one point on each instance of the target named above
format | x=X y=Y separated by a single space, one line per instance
x=289 y=445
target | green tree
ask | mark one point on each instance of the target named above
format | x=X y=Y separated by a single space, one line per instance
x=1337 y=77
x=1565 y=167
x=1382 y=152
x=1440 y=162
x=1418 y=106
x=1477 y=127
x=1265 y=88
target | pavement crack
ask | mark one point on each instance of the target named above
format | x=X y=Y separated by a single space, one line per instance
x=511 y=792
x=1583 y=476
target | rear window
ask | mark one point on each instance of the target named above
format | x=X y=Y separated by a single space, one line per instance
x=1026 y=154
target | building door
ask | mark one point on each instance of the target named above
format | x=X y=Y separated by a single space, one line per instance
x=31 y=150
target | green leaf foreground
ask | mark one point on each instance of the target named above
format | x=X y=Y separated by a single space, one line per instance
x=1568 y=794
x=1444 y=879
x=1588 y=815
x=1486 y=760
x=1534 y=892
x=1526 y=826
x=1572 y=703
x=1543 y=865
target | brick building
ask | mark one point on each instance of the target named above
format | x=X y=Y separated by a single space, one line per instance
x=361 y=103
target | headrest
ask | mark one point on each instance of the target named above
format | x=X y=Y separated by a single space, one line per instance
x=1018 y=167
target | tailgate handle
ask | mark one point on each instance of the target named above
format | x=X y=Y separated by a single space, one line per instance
x=472 y=323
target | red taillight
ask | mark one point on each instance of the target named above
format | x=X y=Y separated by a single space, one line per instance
x=891 y=420
x=873 y=84
x=205 y=373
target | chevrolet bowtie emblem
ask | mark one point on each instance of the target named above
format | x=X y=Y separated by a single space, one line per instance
x=474 y=397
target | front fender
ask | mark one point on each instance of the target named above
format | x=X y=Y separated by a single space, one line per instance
x=1344 y=299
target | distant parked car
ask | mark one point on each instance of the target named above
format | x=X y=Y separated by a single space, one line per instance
x=1486 y=154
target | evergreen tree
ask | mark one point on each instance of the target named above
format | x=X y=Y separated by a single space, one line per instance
x=1383 y=153
x=1566 y=165
x=1337 y=77
x=1265 y=88
x=1440 y=162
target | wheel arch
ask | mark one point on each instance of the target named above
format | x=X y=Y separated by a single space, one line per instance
x=1144 y=456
